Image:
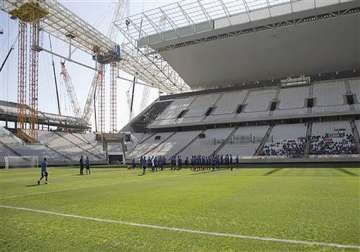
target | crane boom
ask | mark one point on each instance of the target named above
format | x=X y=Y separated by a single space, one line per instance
x=70 y=90
x=89 y=108
x=8 y=54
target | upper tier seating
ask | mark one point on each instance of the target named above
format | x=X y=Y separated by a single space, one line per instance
x=329 y=138
x=170 y=114
x=259 y=100
x=227 y=105
x=355 y=89
x=330 y=97
x=206 y=146
x=173 y=110
x=257 y=104
x=197 y=109
x=244 y=141
x=292 y=101
x=286 y=140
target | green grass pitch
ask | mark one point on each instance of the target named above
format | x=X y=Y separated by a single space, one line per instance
x=304 y=204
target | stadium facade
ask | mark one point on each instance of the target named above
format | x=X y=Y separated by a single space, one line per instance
x=276 y=82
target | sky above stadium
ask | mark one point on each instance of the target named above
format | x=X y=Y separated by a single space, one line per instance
x=97 y=13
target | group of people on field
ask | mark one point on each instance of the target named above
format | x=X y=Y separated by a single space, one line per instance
x=155 y=162
x=197 y=162
x=84 y=164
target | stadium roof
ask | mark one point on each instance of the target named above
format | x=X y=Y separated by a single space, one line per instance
x=227 y=42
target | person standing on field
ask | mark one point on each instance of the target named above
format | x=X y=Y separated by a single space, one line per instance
x=143 y=164
x=133 y=163
x=87 y=165
x=44 y=172
x=81 y=165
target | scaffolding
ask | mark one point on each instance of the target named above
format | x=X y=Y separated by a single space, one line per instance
x=100 y=98
x=22 y=76
x=34 y=79
x=53 y=18
x=113 y=97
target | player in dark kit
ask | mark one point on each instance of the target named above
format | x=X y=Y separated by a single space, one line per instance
x=44 y=172
x=81 y=165
x=143 y=164
x=87 y=165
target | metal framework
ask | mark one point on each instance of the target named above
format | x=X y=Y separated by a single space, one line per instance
x=34 y=79
x=148 y=63
x=176 y=15
x=70 y=90
x=149 y=67
x=65 y=25
x=269 y=26
x=89 y=109
x=100 y=98
x=22 y=76
x=113 y=97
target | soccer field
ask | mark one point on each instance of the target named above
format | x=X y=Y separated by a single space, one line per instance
x=119 y=210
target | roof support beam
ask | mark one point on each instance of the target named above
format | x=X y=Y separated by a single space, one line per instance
x=187 y=17
x=156 y=28
x=226 y=11
x=172 y=24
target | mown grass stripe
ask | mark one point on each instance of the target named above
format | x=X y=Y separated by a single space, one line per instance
x=184 y=230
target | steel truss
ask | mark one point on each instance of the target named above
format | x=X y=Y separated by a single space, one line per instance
x=185 y=13
x=100 y=98
x=22 y=76
x=34 y=79
x=149 y=67
x=113 y=97
x=65 y=25
x=164 y=23
x=290 y=22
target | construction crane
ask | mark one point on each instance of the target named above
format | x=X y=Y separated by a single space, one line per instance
x=55 y=19
x=89 y=108
x=70 y=90
x=8 y=54
x=85 y=116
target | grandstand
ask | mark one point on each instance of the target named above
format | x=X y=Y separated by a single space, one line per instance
x=258 y=94
x=246 y=123
x=275 y=102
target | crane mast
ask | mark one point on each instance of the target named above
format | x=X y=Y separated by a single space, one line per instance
x=70 y=90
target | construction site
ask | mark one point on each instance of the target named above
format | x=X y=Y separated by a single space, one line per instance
x=34 y=29
x=193 y=125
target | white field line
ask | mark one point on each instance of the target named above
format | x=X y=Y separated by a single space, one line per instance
x=184 y=230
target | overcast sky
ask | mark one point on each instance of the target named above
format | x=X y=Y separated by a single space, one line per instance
x=97 y=13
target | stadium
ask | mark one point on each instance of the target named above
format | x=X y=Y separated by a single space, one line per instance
x=208 y=125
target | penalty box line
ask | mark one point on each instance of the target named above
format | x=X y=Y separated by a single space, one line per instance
x=185 y=230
